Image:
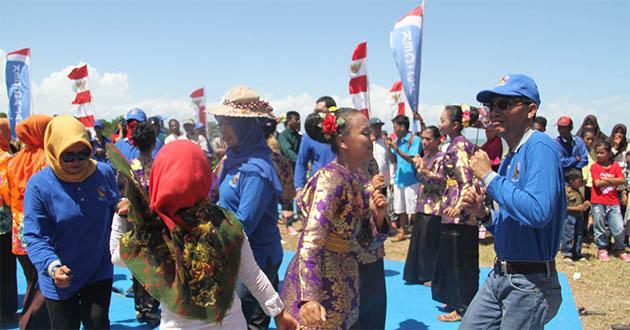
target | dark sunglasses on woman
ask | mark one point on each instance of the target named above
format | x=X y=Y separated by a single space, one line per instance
x=69 y=157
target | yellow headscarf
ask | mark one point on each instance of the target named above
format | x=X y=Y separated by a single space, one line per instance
x=63 y=132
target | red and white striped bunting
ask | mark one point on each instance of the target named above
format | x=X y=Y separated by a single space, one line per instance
x=358 y=86
x=83 y=98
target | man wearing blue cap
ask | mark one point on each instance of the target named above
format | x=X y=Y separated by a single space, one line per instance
x=125 y=145
x=522 y=291
x=99 y=142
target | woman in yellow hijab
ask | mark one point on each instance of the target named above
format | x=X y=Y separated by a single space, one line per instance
x=68 y=208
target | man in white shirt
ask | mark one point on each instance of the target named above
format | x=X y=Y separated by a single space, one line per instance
x=380 y=150
x=173 y=126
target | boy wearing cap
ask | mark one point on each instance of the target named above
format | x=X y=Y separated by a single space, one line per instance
x=573 y=153
x=522 y=291
x=189 y=128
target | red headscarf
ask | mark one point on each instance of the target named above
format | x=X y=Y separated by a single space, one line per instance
x=181 y=176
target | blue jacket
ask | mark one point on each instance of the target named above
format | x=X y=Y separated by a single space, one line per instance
x=568 y=157
x=255 y=204
x=319 y=154
x=70 y=222
x=130 y=151
x=529 y=189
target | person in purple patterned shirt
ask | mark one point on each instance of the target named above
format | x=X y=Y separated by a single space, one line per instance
x=456 y=276
x=321 y=286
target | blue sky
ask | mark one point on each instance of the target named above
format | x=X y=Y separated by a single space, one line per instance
x=153 y=54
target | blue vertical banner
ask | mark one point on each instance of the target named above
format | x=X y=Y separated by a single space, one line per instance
x=405 y=41
x=18 y=77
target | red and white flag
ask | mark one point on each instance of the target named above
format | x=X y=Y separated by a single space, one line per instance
x=396 y=99
x=199 y=100
x=83 y=98
x=359 y=81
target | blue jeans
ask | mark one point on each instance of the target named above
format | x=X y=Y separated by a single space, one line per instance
x=572 y=235
x=608 y=215
x=514 y=301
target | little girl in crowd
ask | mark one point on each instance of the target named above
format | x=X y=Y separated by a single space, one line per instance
x=607 y=175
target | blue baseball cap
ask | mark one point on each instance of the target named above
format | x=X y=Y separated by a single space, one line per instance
x=512 y=85
x=136 y=114
x=99 y=123
x=374 y=121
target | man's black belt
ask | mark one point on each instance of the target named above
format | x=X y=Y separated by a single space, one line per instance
x=509 y=267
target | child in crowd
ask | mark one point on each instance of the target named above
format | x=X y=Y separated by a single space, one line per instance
x=607 y=176
x=573 y=229
x=588 y=136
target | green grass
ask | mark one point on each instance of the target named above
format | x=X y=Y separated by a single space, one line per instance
x=603 y=286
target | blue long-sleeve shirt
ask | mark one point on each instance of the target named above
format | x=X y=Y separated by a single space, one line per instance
x=568 y=158
x=319 y=154
x=131 y=152
x=255 y=203
x=529 y=189
x=70 y=222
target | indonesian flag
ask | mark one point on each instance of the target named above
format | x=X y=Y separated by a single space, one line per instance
x=359 y=81
x=83 y=98
x=199 y=99
x=396 y=99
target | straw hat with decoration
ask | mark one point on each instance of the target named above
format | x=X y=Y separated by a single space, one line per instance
x=242 y=101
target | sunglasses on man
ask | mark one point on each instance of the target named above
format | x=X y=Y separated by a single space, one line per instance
x=506 y=103
x=69 y=157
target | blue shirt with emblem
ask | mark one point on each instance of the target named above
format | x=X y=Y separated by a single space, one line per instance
x=529 y=189
x=255 y=203
x=406 y=174
x=70 y=222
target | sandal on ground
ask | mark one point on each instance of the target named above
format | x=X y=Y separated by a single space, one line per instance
x=450 y=317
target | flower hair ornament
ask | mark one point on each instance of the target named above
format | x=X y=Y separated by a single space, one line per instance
x=465 y=115
x=330 y=124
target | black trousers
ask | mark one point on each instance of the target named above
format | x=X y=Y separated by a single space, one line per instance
x=8 y=280
x=89 y=306
x=456 y=277
x=423 y=248
x=254 y=315
x=372 y=296
x=34 y=314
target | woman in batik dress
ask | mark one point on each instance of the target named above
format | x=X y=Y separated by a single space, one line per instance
x=456 y=276
x=321 y=286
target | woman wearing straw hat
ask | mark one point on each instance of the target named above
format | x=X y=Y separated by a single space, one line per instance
x=249 y=187
x=68 y=208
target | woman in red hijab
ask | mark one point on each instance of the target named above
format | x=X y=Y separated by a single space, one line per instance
x=194 y=251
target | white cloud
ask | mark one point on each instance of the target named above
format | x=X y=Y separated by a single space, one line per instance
x=113 y=96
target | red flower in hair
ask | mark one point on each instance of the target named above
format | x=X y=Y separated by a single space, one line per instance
x=329 y=125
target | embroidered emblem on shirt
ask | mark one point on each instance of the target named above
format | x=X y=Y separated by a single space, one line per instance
x=234 y=180
x=517 y=171
x=102 y=193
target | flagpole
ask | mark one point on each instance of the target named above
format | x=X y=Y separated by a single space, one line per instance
x=367 y=81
